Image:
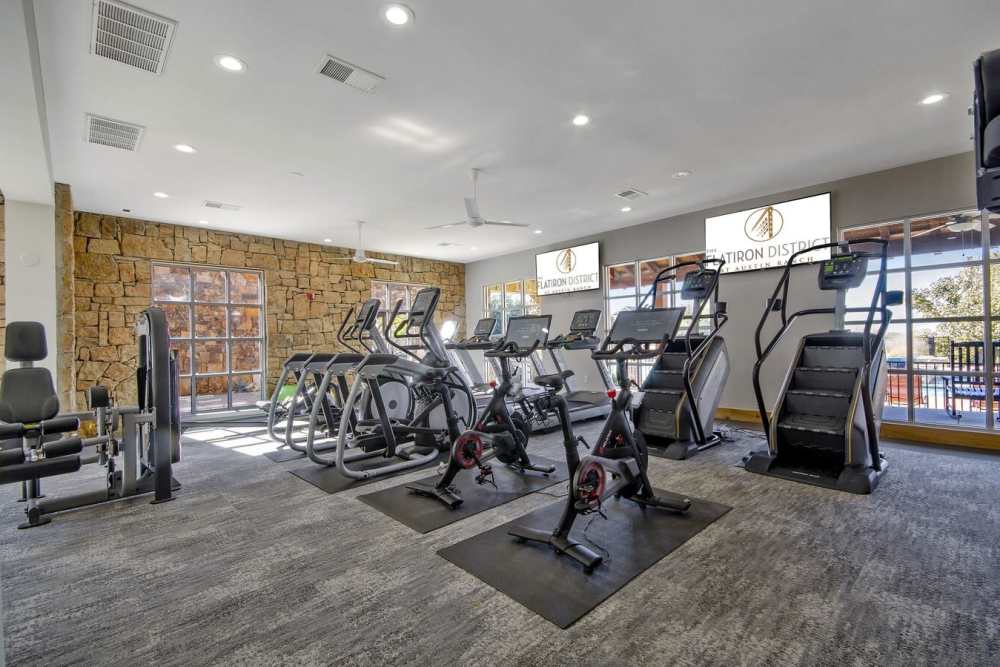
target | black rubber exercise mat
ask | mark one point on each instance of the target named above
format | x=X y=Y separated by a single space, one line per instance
x=632 y=539
x=329 y=479
x=424 y=514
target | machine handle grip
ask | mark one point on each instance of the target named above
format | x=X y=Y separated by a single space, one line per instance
x=11 y=431
x=60 y=425
x=62 y=447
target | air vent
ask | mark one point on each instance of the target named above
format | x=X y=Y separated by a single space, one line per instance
x=631 y=194
x=130 y=35
x=113 y=133
x=218 y=205
x=348 y=74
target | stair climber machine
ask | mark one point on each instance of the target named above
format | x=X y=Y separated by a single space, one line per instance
x=986 y=118
x=136 y=445
x=444 y=403
x=498 y=433
x=824 y=428
x=582 y=404
x=616 y=466
x=681 y=393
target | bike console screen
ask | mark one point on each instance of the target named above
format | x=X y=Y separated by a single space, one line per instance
x=527 y=330
x=842 y=271
x=646 y=326
x=585 y=322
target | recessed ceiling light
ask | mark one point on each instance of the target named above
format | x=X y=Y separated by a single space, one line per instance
x=681 y=174
x=185 y=148
x=933 y=99
x=398 y=14
x=230 y=63
x=296 y=173
x=538 y=231
x=327 y=240
x=580 y=120
x=160 y=195
x=203 y=222
x=475 y=248
x=626 y=209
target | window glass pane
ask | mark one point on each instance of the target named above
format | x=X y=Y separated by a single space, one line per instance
x=246 y=389
x=955 y=399
x=895 y=342
x=512 y=296
x=244 y=287
x=184 y=390
x=948 y=346
x=861 y=296
x=995 y=235
x=684 y=270
x=494 y=298
x=245 y=355
x=178 y=319
x=209 y=321
x=380 y=291
x=412 y=292
x=621 y=280
x=183 y=349
x=171 y=283
x=946 y=239
x=616 y=306
x=210 y=356
x=213 y=393
x=891 y=232
x=210 y=286
x=897 y=397
x=951 y=292
x=396 y=292
x=244 y=322
x=530 y=293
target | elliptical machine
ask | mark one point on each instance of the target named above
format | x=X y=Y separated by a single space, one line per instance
x=498 y=433
x=824 y=427
x=617 y=464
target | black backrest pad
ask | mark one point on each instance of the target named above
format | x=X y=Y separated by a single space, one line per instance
x=991 y=85
x=26 y=341
x=27 y=395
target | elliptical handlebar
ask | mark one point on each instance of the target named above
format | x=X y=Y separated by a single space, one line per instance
x=348 y=327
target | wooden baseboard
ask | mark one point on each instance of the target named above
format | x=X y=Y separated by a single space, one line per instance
x=918 y=433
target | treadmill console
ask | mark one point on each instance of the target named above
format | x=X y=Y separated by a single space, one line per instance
x=646 y=326
x=698 y=284
x=484 y=328
x=585 y=322
x=843 y=271
x=526 y=330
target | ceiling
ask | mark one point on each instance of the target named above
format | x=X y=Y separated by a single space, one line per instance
x=750 y=101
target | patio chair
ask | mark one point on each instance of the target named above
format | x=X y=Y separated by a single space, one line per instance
x=966 y=377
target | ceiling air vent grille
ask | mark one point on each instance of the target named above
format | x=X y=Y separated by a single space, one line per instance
x=130 y=35
x=350 y=75
x=631 y=194
x=113 y=133
x=220 y=206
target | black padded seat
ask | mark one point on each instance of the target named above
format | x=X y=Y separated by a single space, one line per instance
x=991 y=144
x=554 y=381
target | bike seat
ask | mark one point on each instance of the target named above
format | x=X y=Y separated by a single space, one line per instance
x=554 y=381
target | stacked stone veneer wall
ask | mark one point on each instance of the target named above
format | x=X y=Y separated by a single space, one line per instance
x=309 y=289
x=65 y=301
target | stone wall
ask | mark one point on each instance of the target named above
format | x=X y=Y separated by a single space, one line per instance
x=309 y=289
x=65 y=297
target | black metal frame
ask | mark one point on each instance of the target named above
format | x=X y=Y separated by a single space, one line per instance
x=780 y=305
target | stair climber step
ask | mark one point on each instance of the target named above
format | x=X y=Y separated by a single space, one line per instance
x=822 y=403
x=813 y=423
x=838 y=356
x=672 y=361
x=820 y=377
x=659 y=378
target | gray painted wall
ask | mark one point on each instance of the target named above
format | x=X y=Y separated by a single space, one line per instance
x=929 y=187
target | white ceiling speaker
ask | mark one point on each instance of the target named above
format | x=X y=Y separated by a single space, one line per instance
x=474 y=219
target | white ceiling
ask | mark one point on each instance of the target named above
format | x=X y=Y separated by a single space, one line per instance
x=752 y=97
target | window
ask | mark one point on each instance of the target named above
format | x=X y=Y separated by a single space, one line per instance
x=628 y=283
x=938 y=339
x=389 y=294
x=216 y=322
x=510 y=299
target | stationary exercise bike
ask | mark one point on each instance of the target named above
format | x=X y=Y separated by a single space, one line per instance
x=498 y=433
x=617 y=464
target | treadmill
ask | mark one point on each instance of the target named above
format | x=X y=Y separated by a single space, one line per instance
x=582 y=403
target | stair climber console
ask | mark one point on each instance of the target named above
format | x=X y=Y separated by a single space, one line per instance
x=681 y=393
x=824 y=426
x=582 y=403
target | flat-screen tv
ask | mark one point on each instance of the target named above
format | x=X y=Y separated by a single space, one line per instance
x=575 y=269
x=766 y=236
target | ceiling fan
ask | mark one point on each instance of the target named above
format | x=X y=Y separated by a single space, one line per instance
x=360 y=257
x=474 y=219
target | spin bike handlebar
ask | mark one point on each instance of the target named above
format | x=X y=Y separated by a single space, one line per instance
x=511 y=350
x=637 y=350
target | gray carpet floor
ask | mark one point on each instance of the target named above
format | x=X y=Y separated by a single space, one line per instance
x=251 y=565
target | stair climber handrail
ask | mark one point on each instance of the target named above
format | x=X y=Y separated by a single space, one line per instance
x=780 y=305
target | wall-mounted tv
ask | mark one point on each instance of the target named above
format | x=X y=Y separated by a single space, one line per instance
x=575 y=269
x=765 y=237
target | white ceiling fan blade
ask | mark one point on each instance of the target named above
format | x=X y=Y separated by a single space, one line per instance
x=375 y=260
x=504 y=223
x=448 y=225
x=472 y=208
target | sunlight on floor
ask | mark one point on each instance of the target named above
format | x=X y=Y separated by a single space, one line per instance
x=247 y=440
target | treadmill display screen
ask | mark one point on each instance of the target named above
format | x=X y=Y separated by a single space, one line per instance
x=646 y=326
x=585 y=321
x=527 y=330
x=485 y=326
x=424 y=304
